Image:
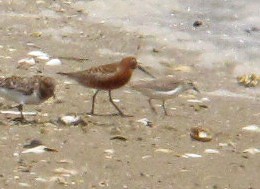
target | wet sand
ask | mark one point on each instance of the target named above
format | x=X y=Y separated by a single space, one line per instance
x=148 y=157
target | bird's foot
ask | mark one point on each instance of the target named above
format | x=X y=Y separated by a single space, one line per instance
x=20 y=120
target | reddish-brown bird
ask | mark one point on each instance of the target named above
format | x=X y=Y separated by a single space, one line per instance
x=106 y=77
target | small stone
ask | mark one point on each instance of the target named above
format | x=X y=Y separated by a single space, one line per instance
x=197 y=23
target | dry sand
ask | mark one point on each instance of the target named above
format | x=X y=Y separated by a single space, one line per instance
x=150 y=157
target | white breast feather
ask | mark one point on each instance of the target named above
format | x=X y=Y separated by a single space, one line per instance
x=18 y=97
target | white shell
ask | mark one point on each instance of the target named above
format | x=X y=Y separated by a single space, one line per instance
x=65 y=172
x=211 y=151
x=252 y=151
x=37 y=150
x=163 y=150
x=39 y=54
x=116 y=100
x=143 y=121
x=29 y=61
x=70 y=120
x=194 y=101
x=109 y=151
x=40 y=179
x=53 y=62
x=189 y=155
x=252 y=128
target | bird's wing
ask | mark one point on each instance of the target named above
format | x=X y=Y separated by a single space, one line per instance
x=97 y=73
x=24 y=85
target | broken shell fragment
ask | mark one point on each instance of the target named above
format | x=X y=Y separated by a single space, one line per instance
x=65 y=172
x=189 y=155
x=251 y=128
x=252 y=151
x=186 y=69
x=39 y=149
x=211 y=151
x=200 y=134
x=146 y=122
x=26 y=61
x=39 y=55
x=164 y=150
x=118 y=137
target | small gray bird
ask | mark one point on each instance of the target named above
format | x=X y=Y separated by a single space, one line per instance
x=163 y=89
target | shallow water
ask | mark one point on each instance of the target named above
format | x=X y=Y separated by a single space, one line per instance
x=229 y=33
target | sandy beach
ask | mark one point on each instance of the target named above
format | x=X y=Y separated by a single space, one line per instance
x=112 y=151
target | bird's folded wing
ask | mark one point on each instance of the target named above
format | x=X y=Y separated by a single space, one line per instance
x=23 y=85
x=158 y=85
x=97 y=73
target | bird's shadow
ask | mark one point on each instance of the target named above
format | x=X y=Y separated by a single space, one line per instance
x=108 y=115
x=23 y=121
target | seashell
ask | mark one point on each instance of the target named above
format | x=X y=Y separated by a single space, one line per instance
x=116 y=100
x=145 y=121
x=252 y=151
x=198 y=101
x=23 y=184
x=189 y=155
x=194 y=101
x=40 y=179
x=109 y=151
x=146 y=157
x=28 y=61
x=252 y=128
x=223 y=144
x=39 y=150
x=11 y=50
x=164 y=150
x=65 y=161
x=39 y=55
x=65 y=172
x=211 y=151
x=200 y=134
x=71 y=120
x=53 y=62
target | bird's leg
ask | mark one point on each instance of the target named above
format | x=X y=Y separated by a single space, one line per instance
x=151 y=105
x=164 y=108
x=112 y=102
x=20 y=109
x=93 y=102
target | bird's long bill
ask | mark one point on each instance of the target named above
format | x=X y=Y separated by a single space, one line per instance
x=145 y=71
x=196 y=89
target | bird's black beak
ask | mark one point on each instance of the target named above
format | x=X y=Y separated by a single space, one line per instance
x=145 y=71
x=196 y=89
